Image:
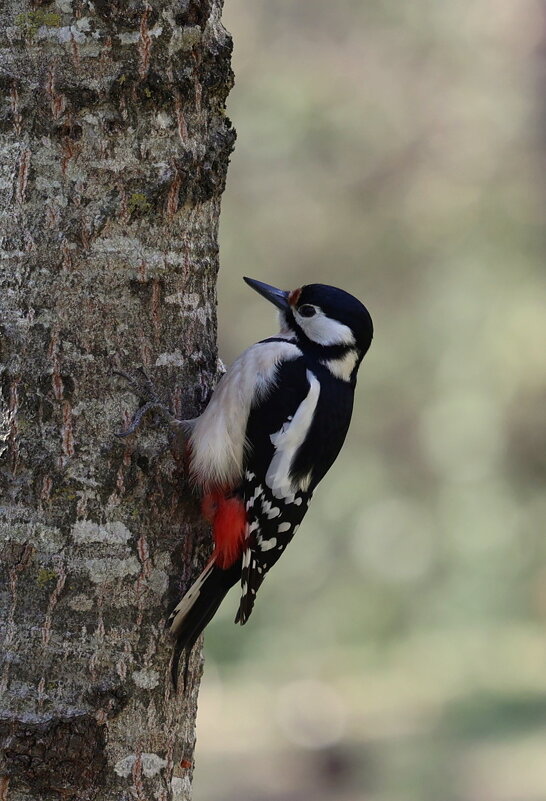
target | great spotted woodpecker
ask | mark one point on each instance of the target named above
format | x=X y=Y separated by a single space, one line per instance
x=272 y=429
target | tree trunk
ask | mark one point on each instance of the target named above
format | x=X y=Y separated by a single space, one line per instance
x=114 y=148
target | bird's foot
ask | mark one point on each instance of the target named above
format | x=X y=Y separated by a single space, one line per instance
x=144 y=389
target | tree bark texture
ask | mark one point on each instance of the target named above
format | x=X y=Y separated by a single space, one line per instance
x=114 y=148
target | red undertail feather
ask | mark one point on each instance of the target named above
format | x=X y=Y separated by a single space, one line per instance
x=228 y=519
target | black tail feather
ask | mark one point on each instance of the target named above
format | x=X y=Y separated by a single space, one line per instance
x=211 y=594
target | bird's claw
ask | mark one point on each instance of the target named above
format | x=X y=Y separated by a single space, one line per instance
x=142 y=386
x=144 y=389
x=139 y=415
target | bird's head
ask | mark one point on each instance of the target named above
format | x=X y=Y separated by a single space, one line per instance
x=321 y=315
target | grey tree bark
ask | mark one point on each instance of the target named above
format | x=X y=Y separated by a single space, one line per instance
x=114 y=148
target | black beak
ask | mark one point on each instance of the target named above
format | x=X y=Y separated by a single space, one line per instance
x=276 y=296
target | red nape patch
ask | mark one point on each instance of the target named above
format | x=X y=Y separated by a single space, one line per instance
x=228 y=518
x=294 y=296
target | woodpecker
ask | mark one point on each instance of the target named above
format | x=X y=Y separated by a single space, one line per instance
x=271 y=431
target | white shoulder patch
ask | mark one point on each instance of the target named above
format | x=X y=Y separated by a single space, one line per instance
x=287 y=442
x=217 y=439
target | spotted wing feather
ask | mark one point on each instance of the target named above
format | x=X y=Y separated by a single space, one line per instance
x=271 y=525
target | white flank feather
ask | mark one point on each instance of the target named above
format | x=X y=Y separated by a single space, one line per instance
x=217 y=438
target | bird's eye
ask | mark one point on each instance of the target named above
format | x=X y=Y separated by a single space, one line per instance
x=307 y=310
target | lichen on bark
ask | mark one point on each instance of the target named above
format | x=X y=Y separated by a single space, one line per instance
x=114 y=148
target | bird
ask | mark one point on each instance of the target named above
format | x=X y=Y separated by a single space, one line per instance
x=272 y=429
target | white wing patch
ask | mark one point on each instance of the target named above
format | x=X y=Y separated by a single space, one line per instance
x=266 y=545
x=246 y=559
x=288 y=440
x=270 y=510
x=217 y=438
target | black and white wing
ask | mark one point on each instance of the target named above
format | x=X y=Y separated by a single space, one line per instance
x=275 y=503
x=294 y=435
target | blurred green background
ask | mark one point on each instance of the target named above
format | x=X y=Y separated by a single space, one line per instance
x=398 y=651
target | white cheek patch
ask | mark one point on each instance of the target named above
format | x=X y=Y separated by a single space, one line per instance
x=324 y=330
